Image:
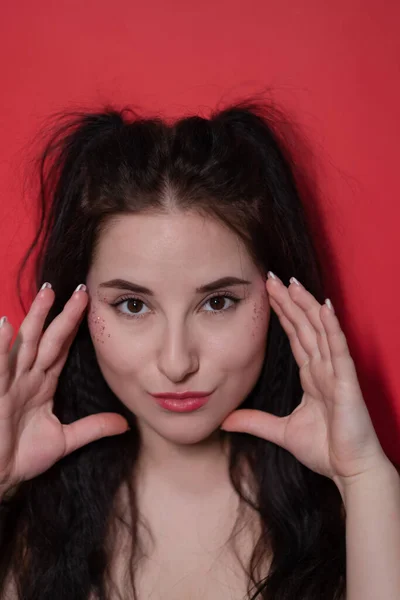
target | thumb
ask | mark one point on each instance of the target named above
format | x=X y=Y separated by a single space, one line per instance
x=91 y=428
x=258 y=423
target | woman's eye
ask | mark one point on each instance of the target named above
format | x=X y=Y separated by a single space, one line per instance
x=217 y=303
x=134 y=306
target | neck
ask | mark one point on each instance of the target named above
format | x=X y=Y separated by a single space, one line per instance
x=191 y=469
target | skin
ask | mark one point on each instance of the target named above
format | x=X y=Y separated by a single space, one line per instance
x=178 y=340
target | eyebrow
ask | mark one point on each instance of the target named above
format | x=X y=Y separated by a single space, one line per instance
x=123 y=284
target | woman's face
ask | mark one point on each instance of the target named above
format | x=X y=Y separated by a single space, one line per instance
x=176 y=338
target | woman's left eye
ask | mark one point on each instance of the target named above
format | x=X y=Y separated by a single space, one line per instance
x=217 y=301
x=217 y=305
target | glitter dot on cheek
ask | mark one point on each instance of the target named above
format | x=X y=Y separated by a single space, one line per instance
x=97 y=326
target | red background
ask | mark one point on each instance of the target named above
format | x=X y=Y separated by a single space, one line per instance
x=333 y=65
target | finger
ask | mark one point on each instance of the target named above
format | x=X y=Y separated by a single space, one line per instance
x=312 y=309
x=258 y=423
x=298 y=351
x=25 y=346
x=296 y=324
x=6 y=334
x=91 y=428
x=59 y=364
x=60 y=329
x=342 y=362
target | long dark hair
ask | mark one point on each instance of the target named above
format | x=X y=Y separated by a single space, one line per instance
x=232 y=166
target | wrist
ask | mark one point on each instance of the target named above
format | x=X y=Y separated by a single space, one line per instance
x=382 y=473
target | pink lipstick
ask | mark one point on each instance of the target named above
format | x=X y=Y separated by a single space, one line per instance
x=182 y=401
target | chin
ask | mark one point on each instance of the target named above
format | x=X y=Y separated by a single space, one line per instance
x=187 y=432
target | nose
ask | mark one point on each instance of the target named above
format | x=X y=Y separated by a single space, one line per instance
x=177 y=357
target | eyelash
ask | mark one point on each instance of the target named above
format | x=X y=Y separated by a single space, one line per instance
x=235 y=300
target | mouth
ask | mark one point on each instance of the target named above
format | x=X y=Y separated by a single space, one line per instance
x=181 y=403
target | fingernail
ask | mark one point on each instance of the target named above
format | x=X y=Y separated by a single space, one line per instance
x=2 y=321
x=46 y=285
x=294 y=280
x=81 y=288
x=329 y=305
x=272 y=275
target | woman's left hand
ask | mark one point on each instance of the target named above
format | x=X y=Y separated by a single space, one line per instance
x=331 y=431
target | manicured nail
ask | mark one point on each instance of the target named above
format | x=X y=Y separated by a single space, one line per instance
x=81 y=287
x=294 y=280
x=2 y=321
x=329 y=305
x=272 y=275
x=46 y=285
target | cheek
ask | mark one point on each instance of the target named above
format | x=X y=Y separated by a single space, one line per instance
x=251 y=347
x=242 y=346
x=97 y=327
x=114 y=353
x=260 y=318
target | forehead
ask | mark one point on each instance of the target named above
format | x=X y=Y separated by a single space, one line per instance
x=171 y=243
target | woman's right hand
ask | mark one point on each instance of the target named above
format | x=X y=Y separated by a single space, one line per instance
x=32 y=438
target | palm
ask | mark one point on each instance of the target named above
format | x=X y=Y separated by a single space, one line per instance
x=310 y=427
x=33 y=439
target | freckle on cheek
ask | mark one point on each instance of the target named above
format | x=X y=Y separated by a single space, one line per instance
x=97 y=326
x=258 y=316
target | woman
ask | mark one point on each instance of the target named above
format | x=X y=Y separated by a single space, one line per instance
x=167 y=232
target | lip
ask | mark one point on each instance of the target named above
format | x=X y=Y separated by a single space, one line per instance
x=182 y=405
x=181 y=395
